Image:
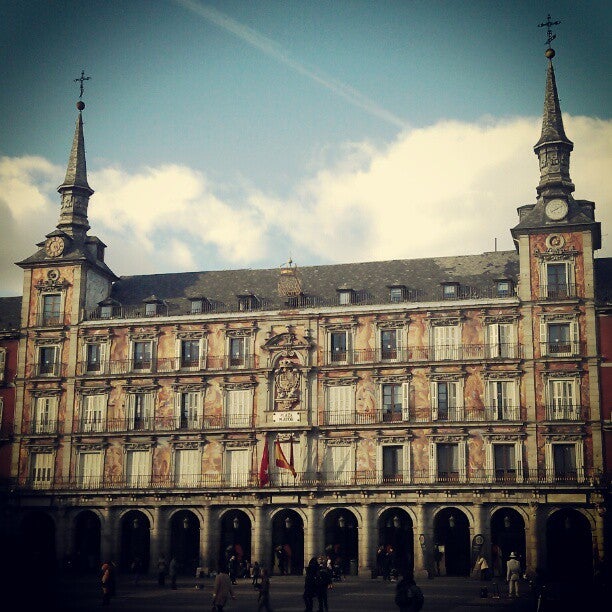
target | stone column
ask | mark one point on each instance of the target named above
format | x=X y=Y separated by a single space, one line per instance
x=62 y=534
x=258 y=552
x=106 y=534
x=423 y=542
x=158 y=538
x=205 y=539
x=532 y=544
x=311 y=529
x=366 y=563
x=598 y=537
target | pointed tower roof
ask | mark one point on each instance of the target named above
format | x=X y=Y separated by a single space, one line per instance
x=552 y=121
x=76 y=172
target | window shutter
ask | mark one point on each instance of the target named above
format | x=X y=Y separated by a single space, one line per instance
x=493 y=339
x=549 y=462
x=544 y=338
x=202 y=353
x=433 y=462
x=574 y=337
x=518 y=457
x=580 y=461
x=434 y=401
x=462 y=462
x=406 y=401
x=456 y=390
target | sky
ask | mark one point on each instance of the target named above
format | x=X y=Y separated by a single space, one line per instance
x=233 y=134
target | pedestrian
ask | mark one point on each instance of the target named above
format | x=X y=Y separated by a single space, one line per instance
x=310 y=583
x=513 y=574
x=408 y=596
x=264 y=592
x=380 y=557
x=324 y=581
x=233 y=569
x=136 y=569
x=222 y=590
x=172 y=572
x=482 y=566
x=162 y=570
x=106 y=581
x=256 y=572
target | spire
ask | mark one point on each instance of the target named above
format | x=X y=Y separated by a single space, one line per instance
x=75 y=190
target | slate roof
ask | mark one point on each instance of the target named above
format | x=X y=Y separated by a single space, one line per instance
x=423 y=278
x=10 y=313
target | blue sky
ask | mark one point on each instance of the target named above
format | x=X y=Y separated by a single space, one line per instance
x=232 y=134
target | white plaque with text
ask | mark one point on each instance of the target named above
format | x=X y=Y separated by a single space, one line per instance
x=286 y=417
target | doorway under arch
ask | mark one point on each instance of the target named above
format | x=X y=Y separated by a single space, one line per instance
x=341 y=538
x=569 y=547
x=185 y=541
x=507 y=536
x=135 y=540
x=235 y=538
x=37 y=537
x=452 y=542
x=396 y=538
x=87 y=532
x=287 y=543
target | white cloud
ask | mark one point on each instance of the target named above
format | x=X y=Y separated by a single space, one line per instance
x=446 y=189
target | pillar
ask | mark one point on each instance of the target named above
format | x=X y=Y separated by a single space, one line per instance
x=532 y=543
x=260 y=550
x=158 y=544
x=205 y=540
x=313 y=546
x=423 y=541
x=106 y=534
x=366 y=533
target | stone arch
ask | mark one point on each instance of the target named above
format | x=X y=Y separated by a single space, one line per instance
x=185 y=540
x=135 y=539
x=341 y=526
x=395 y=541
x=569 y=537
x=507 y=536
x=452 y=542
x=287 y=545
x=235 y=529
x=87 y=540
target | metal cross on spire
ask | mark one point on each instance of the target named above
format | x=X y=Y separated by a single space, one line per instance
x=84 y=78
x=548 y=24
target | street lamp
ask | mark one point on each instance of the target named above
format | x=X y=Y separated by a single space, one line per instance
x=288 y=523
x=507 y=522
x=136 y=523
x=186 y=523
x=396 y=522
x=236 y=523
x=451 y=521
x=341 y=522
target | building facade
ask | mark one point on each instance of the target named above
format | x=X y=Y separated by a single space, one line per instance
x=443 y=407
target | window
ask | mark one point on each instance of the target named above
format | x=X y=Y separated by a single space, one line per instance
x=503 y=288
x=93 y=413
x=48 y=361
x=448 y=462
x=393 y=463
x=345 y=297
x=446 y=401
x=199 y=305
x=187 y=467
x=501 y=400
x=504 y=462
x=388 y=344
x=501 y=340
x=450 y=292
x=248 y=302
x=138 y=468
x=340 y=405
x=150 y=309
x=396 y=294
x=239 y=407
x=93 y=357
x=45 y=415
x=445 y=342
x=238 y=351
x=140 y=411
x=2 y=363
x=557 y=279
x=282 y=476
x=238 y=467
x=559 y=339
x=338 y=464
x=563 y=401
x=106 y=312
x=51 y=311
x=190 y=353
x=189 y=417
x=41 y=470
x=395 y=401
x=89 y=469
x=338 y=345
x=142 y=355
x=564 y=459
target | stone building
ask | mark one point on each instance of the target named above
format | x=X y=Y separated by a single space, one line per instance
x=444 y=406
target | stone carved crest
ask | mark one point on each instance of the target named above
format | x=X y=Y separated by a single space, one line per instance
x=287 y=380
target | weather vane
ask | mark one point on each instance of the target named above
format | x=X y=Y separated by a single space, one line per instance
x=549 y=34
x=84 y=78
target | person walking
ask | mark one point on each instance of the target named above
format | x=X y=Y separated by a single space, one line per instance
x=482 y=566
x=264 y=592
x=513 y=574
x=173 y=572
x=256 y=573
x=324 y=580
x=106 y=580
x=408 y=596
x=222 y=590
x=310 y=583
x=162 y=570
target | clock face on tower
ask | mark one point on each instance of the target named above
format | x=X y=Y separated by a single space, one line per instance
x=556 y=209
x=55 y=246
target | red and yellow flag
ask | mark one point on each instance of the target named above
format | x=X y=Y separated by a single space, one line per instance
x=264 y=468
x=281 y=460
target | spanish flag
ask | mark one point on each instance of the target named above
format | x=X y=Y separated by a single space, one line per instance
x=264 y=474
x=281 y=460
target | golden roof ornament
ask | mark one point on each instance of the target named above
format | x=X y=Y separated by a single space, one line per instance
x=289 y=283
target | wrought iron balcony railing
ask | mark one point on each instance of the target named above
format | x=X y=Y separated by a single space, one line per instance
x=563 y=348
x=558 y=291
x=564 y=412
x=41 y=426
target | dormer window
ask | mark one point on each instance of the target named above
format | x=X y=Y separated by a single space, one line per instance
x=108 y=308
x=346 y=296
x=503 y=287
x=397 y=293
x=450 y=291
x=152 y=306
x=199 y=305
x=106 y=312
x=247 y=301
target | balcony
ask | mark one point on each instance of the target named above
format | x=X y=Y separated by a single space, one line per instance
x=48 y=320
x=409 y=480
x=50 y=369
x=565 y=348
x=564 y=412
x=41 y=427
x=559 y=291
